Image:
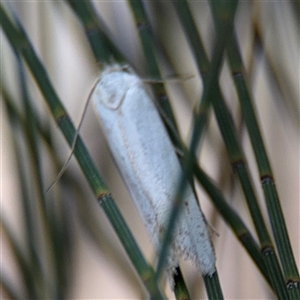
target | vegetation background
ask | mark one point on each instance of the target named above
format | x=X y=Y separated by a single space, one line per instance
x=86 y=259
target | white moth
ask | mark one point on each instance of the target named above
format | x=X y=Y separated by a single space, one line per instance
x=149 y=166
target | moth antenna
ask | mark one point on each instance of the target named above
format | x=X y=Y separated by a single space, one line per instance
x=170 y=79
x=66 y=164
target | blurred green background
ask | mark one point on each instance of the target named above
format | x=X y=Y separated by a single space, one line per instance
x=91 y=261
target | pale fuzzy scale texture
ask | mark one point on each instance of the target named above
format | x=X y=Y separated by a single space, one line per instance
x=149 y=166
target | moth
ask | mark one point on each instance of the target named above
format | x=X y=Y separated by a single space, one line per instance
x=149 y=166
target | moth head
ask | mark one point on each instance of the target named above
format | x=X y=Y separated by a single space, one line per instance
x=113 y=86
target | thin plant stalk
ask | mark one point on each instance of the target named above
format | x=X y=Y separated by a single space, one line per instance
x=147 y=40
x=212 y=286
x=102 y=47
x=180 y=289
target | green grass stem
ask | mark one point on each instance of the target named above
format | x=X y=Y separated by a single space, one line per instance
x=149 y=47
x=180 y=288
x=212 y=286
x=102 y=47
